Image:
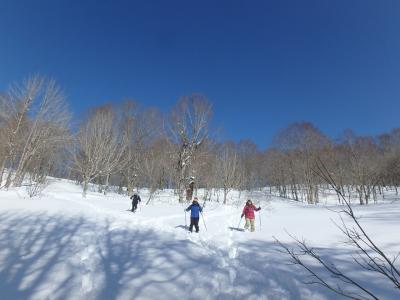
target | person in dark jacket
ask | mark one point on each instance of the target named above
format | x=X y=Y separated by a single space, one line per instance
x=195 y=210
x=135 y=200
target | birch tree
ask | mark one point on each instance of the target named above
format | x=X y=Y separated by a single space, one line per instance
x=36 y=119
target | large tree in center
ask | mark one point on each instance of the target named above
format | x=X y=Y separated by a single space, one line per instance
x=189 y=121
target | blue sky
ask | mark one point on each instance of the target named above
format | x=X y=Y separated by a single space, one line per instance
x=263 y=64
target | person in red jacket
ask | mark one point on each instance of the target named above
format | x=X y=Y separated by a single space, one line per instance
x=248 y=212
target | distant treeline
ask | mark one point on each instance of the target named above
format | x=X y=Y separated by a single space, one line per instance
x=130 y=146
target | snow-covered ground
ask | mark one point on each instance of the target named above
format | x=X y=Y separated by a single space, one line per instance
x=61 y=246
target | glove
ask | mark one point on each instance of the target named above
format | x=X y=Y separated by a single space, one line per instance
x=241 y=216
x=184 y=210
x=259 y=207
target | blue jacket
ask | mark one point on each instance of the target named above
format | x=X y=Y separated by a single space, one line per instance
x=195 y=210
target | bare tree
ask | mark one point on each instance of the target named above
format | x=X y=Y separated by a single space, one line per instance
x=203 y=167
x=363 y=165
x=302 y=143
x=132 y=129
x=141 y=128
x=228 y=168
x=189 y=128
x=250 y=165
x=36 y=120
x=390 y=160
x=99 y=148
x=153 y=170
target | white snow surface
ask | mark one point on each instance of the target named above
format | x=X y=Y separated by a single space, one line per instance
x=63 y=246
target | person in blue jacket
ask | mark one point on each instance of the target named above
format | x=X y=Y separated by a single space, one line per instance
x=195 y=211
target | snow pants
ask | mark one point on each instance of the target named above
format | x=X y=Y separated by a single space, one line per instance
x=134 y=206
x=194 y=222
x=250 y=223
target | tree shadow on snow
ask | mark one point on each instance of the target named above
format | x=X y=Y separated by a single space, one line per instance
x=46 y=256
x=270 y=275
x=32 y=248
x=50 y=256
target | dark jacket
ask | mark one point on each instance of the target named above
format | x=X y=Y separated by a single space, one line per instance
x=195 y=210
x=136 y=198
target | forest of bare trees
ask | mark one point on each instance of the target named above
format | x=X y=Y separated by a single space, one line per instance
x=126 y=146
x=34 y=131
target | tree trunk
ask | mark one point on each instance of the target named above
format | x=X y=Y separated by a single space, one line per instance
x=225 y=194
x=106 y=184
x=9 y=178
x=19 y=176
x=2 y=167
x=85 y=187
x=360 y=194
x=181 y=184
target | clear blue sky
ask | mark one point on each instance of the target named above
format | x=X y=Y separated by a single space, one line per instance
x=263 y=64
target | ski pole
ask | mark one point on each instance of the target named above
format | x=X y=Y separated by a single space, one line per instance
x=259 y=217
x=185 y=220
x=204 y=222
x=240 y=221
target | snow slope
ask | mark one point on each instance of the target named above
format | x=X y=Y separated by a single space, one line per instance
x=61 y=246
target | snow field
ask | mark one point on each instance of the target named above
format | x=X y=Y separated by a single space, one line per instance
x=61 y=246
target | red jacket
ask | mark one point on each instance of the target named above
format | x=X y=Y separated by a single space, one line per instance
x=248 y=211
